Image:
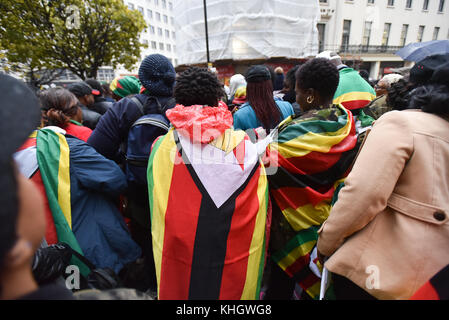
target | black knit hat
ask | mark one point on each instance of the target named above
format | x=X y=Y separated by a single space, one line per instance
x=422 y=71
x=20 y=115
x=258 y=73
x=157 y=75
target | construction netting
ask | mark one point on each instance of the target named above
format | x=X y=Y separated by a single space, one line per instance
x=246 y=29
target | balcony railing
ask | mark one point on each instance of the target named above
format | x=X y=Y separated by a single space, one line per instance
x=358 y=49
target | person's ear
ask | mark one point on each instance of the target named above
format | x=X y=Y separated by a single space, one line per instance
x=20 y=254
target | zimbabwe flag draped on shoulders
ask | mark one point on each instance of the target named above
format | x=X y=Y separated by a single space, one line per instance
x=314 y=154
x=208 y=197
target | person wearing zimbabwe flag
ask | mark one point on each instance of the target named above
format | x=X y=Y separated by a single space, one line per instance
x=313 y=153
x=208 y=196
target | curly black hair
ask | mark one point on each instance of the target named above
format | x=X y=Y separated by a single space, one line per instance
x=398 y=97
x=319 y=74
x=198 y=86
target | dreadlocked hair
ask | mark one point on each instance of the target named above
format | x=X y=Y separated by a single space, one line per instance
x=198 y=86
x=260 y=97
x=58 y=106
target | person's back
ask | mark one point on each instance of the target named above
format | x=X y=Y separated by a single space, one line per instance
x=261 y=110
x=208 y=200
x=86 y=185
x=403 y=155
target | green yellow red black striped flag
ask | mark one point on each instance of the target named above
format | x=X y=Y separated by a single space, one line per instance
x=208 y=205
x=314 y=154
x=53 y=157
x=353 y=91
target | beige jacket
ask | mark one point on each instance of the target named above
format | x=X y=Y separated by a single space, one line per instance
x=389 y=230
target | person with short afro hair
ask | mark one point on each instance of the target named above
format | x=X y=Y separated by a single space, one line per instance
x=208 y=198
x=314 y=152
x=320 y=78
x=198 y=86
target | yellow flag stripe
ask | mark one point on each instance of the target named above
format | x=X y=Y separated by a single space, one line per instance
x=304 y=217
x=351 y=96
x=319 y=142
x=162 y=178
x=295 y=254
x=64 y=179
x=256 y=247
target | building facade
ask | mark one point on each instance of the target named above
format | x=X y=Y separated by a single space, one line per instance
x=369 y=32
x=160 y=34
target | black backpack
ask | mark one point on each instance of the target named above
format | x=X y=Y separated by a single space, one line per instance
x=141 y=136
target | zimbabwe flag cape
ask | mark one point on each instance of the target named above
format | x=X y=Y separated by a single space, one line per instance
x=50 y=153
x=208 y=205
x=353 y=91
x=314 y=153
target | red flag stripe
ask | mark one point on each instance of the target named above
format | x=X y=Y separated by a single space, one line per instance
x=181 y=228
x=291 y=197
x=239 y=241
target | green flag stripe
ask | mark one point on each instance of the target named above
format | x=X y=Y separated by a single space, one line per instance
x=48 y=154
x=150 y=174
x=300 y=238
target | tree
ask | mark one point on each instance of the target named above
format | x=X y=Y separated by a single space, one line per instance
x=80 y=35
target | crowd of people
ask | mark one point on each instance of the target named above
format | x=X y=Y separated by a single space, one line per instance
x=174 y=186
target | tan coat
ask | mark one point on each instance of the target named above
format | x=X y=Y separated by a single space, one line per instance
x=389 y=230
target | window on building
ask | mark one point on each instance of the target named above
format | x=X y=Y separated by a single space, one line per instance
x=156 y=2
x=323 y=1
x=168 y=47
x=425 y=5
x=161 y=46
x=436 y=31
x=409 y=4
x=390 y=3
x=164 y=4
x=346 y=34
x=141 y=10
x=404 y=34
x=167 y=33
x=370 y=1
x=158 y=16
x=367 y=33
x=420 y=33
x=150 y=14
x=165 y=18
x=321 y=29
x=152 y=30
x=172 y=21
x=153 y=45
x=170 y=6
x=173 y=35
x=145 y=41
x=386 y=34
x=130 y=6
x=159 y=31
x=441 y=6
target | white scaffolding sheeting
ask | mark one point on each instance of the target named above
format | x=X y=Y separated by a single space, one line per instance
x=246 y=29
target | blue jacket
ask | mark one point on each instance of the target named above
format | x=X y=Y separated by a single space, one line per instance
x=96 y=222
x=245 y=118
x=114 y=125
